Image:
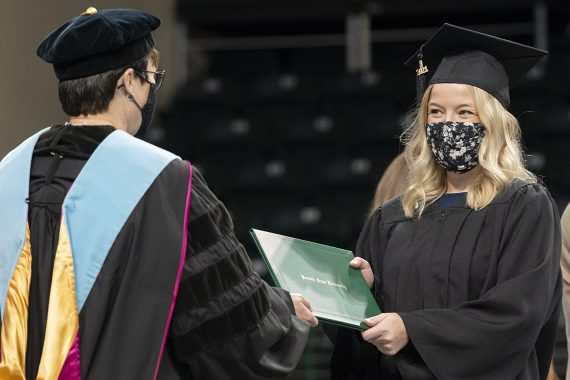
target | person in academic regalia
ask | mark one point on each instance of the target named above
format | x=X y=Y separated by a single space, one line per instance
x=465 y=263
x=565 y=266
x=116 y=260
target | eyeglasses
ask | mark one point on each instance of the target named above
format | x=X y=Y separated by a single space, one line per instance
x=158 y=76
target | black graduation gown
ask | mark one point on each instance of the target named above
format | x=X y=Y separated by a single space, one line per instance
x=479 y=291
x=227 y=322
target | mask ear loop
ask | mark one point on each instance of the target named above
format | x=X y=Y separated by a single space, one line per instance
x=130 y=97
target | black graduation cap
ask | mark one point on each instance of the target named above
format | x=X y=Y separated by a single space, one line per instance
x=459 y=55
x=98 y=41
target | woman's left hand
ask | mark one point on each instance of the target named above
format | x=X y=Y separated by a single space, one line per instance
x=364 y=267
x=387 y=332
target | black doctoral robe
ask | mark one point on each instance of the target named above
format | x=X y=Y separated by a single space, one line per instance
x=479 y=291
x=227 y=322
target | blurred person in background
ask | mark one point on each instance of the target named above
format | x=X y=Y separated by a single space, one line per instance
x=392 y=183
x=116 y=260
x=465 y=263
x=565 y=265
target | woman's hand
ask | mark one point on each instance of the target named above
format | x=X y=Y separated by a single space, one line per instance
x=365 y=269
x=387 y=332
x=303 y=309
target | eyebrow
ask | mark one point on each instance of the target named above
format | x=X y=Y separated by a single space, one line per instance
x=433 y=104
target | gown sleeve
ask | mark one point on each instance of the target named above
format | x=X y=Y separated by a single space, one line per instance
x=510 y=328
x=228 y=323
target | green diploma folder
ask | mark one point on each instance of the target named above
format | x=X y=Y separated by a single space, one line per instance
x=322 y=274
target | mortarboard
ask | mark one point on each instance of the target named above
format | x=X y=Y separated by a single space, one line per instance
x=459 y=55
x=98 y=41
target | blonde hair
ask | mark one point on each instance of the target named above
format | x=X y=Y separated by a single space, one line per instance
x=154 y=57
x=500 y=156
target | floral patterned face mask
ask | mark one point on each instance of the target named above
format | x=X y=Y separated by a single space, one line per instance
x=455 y=145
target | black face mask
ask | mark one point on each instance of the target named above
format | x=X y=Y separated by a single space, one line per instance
x=147 y=112
x=455 y=145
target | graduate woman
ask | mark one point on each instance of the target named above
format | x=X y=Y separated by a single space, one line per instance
x=465 y=263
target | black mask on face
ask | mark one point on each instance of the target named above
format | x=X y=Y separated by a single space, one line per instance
x=147 y=112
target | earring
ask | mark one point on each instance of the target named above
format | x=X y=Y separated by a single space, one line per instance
x=130 y=97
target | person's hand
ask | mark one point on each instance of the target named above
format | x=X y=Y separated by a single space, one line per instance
x=303 y=309
x=365 y=269
x=387 y=332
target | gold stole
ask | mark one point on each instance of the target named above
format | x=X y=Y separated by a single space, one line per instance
x=62 y=320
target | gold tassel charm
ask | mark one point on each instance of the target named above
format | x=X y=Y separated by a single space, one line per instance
x=422 y=69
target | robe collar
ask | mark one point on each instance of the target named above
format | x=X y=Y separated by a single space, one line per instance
x=78 y=140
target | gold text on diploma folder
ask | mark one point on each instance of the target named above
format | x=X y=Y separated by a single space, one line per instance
x=323 y=282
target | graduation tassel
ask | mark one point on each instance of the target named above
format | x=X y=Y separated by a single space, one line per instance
x=420 y=78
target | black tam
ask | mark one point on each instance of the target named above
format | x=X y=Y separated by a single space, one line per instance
x=98 y=41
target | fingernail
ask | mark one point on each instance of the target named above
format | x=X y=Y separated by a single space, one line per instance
x=354 y=261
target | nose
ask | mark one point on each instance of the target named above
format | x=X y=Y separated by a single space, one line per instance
x=452 y=116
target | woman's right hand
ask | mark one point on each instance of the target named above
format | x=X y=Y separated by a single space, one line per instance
x=303 y=309
x=365 y=269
